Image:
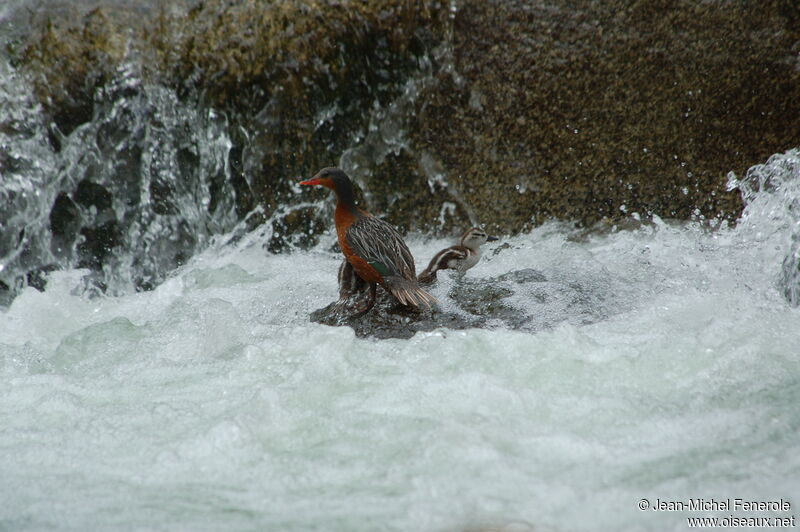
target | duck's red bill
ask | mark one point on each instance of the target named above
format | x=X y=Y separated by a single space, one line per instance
x=312 y=181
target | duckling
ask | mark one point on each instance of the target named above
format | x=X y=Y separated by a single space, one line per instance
x=461 y=257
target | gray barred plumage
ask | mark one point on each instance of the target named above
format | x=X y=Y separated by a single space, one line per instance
x=381 y=245
x=383 y=248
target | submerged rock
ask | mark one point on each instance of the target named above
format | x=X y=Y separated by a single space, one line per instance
x=389 y=319
x=519 y=300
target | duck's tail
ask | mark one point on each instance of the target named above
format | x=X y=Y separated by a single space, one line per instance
x=408 y=291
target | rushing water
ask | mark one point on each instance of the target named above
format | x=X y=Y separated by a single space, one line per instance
x=130 y=194
x=213 y=403
x=661 y=361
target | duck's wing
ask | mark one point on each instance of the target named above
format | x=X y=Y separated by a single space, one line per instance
x=449 y=257
x=381 y=246
x=446 y=258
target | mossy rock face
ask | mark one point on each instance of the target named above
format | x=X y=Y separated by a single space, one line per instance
x=574 y=110
x=294 y=83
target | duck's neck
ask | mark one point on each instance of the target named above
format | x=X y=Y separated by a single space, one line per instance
x=346 y=201
x=346 y=212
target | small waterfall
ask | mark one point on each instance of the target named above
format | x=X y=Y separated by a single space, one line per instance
x=129 y=195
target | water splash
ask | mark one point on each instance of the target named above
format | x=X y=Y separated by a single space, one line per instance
x=129 y=195
x=389 y=125
x=771 y=217
x=27 y=177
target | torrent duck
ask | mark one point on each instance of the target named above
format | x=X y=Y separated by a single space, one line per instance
x=373 y=249
x=461 y=257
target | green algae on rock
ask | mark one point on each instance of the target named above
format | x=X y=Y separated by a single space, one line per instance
x=512 y=112
x=592 y=110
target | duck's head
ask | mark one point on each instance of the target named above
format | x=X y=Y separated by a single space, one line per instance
x=332 y=178
x=474 y=237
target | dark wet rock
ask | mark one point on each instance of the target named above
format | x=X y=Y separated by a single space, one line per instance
x=297 y=229
x=520 y=300
x=161 y=194
x=91 y=194
x=479 y=298
x=501 y=112
x=521 y=110
x=389 y=319
x=574 y=109
x=299 y=78
x=527 y=275
x=6 y=294
x=37 y=278
x=65 y=223
x=100 y=231
x=487 y=300
x=98 y=243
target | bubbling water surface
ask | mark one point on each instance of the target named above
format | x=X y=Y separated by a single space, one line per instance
x=212 y=402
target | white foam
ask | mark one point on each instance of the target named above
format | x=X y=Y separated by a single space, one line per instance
x=213 y=402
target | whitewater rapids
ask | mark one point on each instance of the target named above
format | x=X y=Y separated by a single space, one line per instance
x=212 y=402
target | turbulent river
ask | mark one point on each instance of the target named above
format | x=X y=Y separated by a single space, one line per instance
x=656 y=361
x=213 y=403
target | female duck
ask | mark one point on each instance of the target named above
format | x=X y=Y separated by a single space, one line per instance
x=373 y=248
